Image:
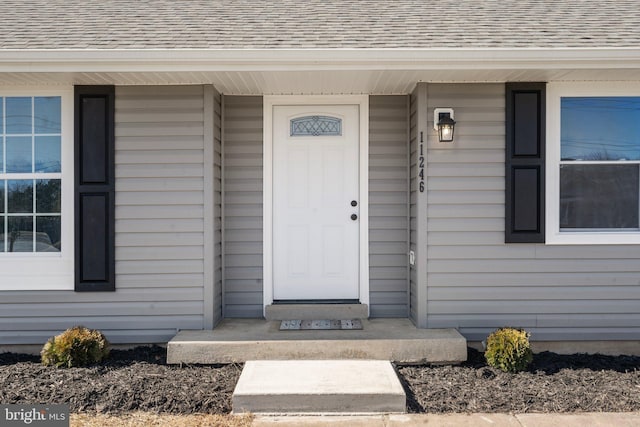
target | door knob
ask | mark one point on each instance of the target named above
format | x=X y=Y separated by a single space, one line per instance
x=354 y=203
x=354 y=217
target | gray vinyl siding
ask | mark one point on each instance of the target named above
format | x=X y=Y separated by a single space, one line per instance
x=476 y=282
x=243 y=206
x=388 y=206
x=413 y=208
x=159 y=231
x=217 y=206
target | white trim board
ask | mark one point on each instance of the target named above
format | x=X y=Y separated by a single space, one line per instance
x=154 y=60
x=268 y=103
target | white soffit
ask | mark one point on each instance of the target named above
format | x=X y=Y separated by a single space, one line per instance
x=363 y=71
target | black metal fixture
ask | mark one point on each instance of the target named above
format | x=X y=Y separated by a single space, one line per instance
x=445 y=125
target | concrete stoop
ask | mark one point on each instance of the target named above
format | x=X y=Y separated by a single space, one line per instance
x=319 y=386
x=239 y=340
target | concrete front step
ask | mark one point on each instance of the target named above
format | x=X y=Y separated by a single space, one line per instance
x=316 y=311
x=319 y=386
x=239 y=340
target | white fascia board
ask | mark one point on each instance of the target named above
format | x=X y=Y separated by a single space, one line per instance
x=168 y=60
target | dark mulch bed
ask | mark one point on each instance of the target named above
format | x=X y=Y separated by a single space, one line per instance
x=553 y=383
x=140 y=380
x=131 y=380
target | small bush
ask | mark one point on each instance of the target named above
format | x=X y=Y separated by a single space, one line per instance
x=508 y=349
x=77 y=346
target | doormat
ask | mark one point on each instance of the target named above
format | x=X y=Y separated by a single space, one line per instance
x=304 y=325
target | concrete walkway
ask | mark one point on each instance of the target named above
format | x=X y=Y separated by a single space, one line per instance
x=601 y=419
x=319 y=386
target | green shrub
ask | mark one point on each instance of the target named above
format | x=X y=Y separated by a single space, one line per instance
x=77 y=346
x=508 y=349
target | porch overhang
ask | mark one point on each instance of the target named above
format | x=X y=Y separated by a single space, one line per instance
x=315 y=71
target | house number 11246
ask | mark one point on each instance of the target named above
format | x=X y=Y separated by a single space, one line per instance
x=421 y=164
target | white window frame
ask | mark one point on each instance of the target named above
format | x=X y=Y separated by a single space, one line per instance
x=555 y=92
x=21 y=271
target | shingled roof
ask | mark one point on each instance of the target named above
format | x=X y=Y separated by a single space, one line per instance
x=322 y=24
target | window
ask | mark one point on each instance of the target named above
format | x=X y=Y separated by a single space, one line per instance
x=316 y=126
x=36 y=190
x=594 y=165
x=30 y=139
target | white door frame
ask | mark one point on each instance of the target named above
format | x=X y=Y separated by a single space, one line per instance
x=267 y=190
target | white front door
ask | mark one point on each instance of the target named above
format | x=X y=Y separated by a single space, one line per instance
x=315 y=202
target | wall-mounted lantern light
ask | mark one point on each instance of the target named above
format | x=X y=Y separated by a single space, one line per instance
x=443 y=122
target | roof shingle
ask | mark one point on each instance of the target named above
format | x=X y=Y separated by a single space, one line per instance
x=325 y=24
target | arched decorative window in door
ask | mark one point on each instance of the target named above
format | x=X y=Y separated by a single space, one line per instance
x=316 y=126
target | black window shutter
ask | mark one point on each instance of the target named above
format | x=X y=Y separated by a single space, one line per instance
x=94 y=189
x=525 y=158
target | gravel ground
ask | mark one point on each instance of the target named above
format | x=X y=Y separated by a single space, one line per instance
x=139 y=380
x=144 y=419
